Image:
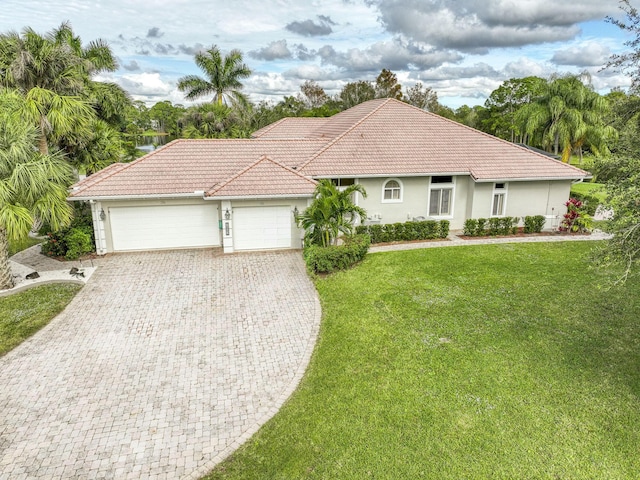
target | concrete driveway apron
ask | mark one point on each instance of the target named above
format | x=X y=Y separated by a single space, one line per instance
x=162 y=365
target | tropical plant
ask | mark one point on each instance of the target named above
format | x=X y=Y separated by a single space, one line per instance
x=223 y=77
x=33 y=186
x=566 y=117
x=331 y=213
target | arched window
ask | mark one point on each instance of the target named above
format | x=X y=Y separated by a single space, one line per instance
x=392 y=191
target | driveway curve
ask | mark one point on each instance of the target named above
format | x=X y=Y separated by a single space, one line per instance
x=161 y=366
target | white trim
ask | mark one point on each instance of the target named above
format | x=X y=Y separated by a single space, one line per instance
x=525 y=179
x=440 y=186
x=384 y=188
x=499 y=191
x=137 y=197
x=391 y=175
x=261 y=197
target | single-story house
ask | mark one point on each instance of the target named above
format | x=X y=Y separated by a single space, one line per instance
x=242 y=194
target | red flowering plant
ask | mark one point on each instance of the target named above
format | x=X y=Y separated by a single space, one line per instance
x=576 y=220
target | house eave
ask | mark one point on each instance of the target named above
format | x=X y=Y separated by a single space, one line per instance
x=259 y=197
x=526 y=179
x=396 y=174
x=136 y=197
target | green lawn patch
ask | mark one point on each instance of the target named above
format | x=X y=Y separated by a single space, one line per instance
x=594 y=189
x=494 y=361
x=23 y=314
x=15 y=247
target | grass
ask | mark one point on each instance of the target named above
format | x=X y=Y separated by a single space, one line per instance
x=496 y=361
x=15 y=247
x=595 y=189
x=23 y=314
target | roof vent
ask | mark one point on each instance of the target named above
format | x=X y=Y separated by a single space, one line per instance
x=295 y=167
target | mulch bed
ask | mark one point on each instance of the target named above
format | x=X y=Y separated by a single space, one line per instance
x=521 y=235
x=402 y=242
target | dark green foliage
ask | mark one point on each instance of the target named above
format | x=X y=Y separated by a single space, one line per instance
x=337 y=257
x=480 y=229
x=404 y=232
x=492 y=226
x=589 y=202
x=534 y=224
x=70 y=243
x=470 y=227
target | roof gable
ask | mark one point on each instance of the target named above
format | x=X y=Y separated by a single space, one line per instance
x=264 y=178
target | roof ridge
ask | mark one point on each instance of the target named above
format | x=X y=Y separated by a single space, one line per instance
x=338 y=137
x=262 y=158
x=268 y=128
x=127 y=165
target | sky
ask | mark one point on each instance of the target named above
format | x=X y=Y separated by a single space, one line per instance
x=462 y=49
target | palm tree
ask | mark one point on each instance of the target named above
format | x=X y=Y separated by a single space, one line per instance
x=224 y=74
x=33 y=187
x=331 y=213
x=567 y=116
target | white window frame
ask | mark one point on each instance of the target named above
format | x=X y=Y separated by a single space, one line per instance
x=442 y=186
x=496 y=192
x=384 y=189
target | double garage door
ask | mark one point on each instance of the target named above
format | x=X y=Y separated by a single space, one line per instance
x=164 y=226
x=187 y=226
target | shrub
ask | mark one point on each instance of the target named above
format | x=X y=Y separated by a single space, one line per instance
x=337 y=257
x=508 y=226
x=399 y=232
x=78 y=243
x=470 y=227
x=480 y=230
x=494 y=226
x=70 y=243
x=444 y=228
x=534 y=224
x=589 y=202
x=576 y=219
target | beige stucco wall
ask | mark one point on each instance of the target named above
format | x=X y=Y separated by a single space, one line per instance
x=415 y=200
x=523 y=198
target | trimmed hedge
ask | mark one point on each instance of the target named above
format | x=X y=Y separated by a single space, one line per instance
x=534 y=224
x=399 y=232
x=336 y=257
x=490 y=227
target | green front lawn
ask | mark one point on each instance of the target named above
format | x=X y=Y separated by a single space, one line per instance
x=587 y=188
x=23 y=314
x=495 y=361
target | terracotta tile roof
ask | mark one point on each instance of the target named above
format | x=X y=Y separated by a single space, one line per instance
x=265 y=178
x=379 y=137
x=186 y=166
x=394 y=138
x=291 y=127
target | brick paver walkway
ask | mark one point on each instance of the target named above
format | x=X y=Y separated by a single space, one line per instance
x=163 y=364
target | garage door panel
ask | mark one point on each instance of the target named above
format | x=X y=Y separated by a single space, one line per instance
x=256 y=228
x=164 y=226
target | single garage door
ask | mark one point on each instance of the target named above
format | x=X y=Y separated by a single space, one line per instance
x=257 y=228
x=164 y=226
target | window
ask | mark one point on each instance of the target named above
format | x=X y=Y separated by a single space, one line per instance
x=343 y=182
x=499 y=199
x=441 y=196
x=392 y=191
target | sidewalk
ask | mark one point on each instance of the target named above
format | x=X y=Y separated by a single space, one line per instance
x=49 y=269
x=455 y=241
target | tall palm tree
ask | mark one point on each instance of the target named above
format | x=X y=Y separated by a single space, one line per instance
x=223 y=77
x=567 y=116
x=331 y=213
x=33 y=187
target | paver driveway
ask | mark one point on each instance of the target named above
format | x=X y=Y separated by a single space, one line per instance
x=163 y=364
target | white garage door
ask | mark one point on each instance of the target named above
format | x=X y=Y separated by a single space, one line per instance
x=256 y=228
x=164 y=226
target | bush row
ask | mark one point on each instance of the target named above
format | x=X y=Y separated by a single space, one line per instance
x=336 y=257
x=480 y=227
x=397 y=232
